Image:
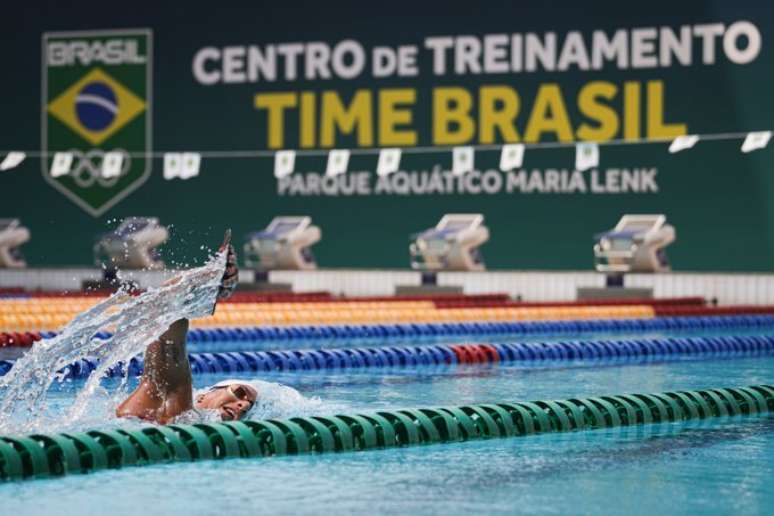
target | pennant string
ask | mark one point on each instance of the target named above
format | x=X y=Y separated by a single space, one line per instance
x=420 y=149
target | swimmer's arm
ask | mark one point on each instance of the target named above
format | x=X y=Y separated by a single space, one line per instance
x=166 y=359
x=165 y=390
x=172 y=280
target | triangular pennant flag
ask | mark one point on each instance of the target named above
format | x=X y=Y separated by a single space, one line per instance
x=62 y=163
x=172 y=165
x=338 y=160
x=753 y=141
x=586 y=156
x=462 y=160
x=12 y=160
x=189 y=164
x=683 y=142
x=512 y=156
x=111 y=164
x=284 y=163
x=389 y=161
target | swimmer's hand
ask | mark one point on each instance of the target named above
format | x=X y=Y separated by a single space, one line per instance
x=231 y=275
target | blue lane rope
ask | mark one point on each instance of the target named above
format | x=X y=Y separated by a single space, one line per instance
x=257 y=334
x=441 y=354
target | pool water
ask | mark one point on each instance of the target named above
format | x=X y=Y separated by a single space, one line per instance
x=420 y=340
x=720 y=467
x=717 y=466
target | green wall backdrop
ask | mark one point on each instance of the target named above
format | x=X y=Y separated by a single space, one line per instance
x=720 y=200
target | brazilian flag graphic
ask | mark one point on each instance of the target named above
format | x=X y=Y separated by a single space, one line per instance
x=97 y=99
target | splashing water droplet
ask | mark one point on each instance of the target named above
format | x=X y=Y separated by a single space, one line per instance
x=135 y=322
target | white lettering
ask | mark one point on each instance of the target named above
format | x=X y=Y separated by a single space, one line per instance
x=643 y=48
x=407 y=61
x=204 y=76
x=318 y=56
x=603 y=48
x=732 y=35
x=573 y=53
x=234 y=65
x=439 y=46
x=496 y=53
x=671 y=45
x=543 y=51
x=348 y=59
x=467 y=55
x=290 y=53
x=384 y=62
x=261 y=64
x=708 y=33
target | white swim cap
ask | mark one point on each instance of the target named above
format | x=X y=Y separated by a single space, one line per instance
x=274 y=399
x=231 y=381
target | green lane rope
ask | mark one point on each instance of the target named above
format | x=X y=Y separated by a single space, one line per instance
x=41 y=455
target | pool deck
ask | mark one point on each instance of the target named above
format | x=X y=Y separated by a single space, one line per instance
x=723 y=287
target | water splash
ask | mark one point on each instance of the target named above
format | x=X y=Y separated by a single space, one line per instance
x=135 y=323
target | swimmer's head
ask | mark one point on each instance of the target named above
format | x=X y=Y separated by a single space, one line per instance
x=233 y=399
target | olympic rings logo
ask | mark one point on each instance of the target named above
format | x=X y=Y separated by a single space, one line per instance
x=87 y=168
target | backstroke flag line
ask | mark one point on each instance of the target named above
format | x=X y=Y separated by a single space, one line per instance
x=338 y=159
x=586 y=156
x=389 y=161
x=284 y=163
x=682 y=143
x=511 y=157
x=755 y=141
x=12 y=160
x=462 y=160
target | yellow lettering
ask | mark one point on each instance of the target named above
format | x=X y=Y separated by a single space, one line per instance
x=391 y=115
x=357 y=117
x=631 y=110
x=605 y=116
x=498 y=109
x=656 y=126
x=452 y=123
x=549 y=115
x=308 y=116
x=275 y=105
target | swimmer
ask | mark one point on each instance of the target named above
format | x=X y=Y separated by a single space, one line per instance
x=166 y=389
